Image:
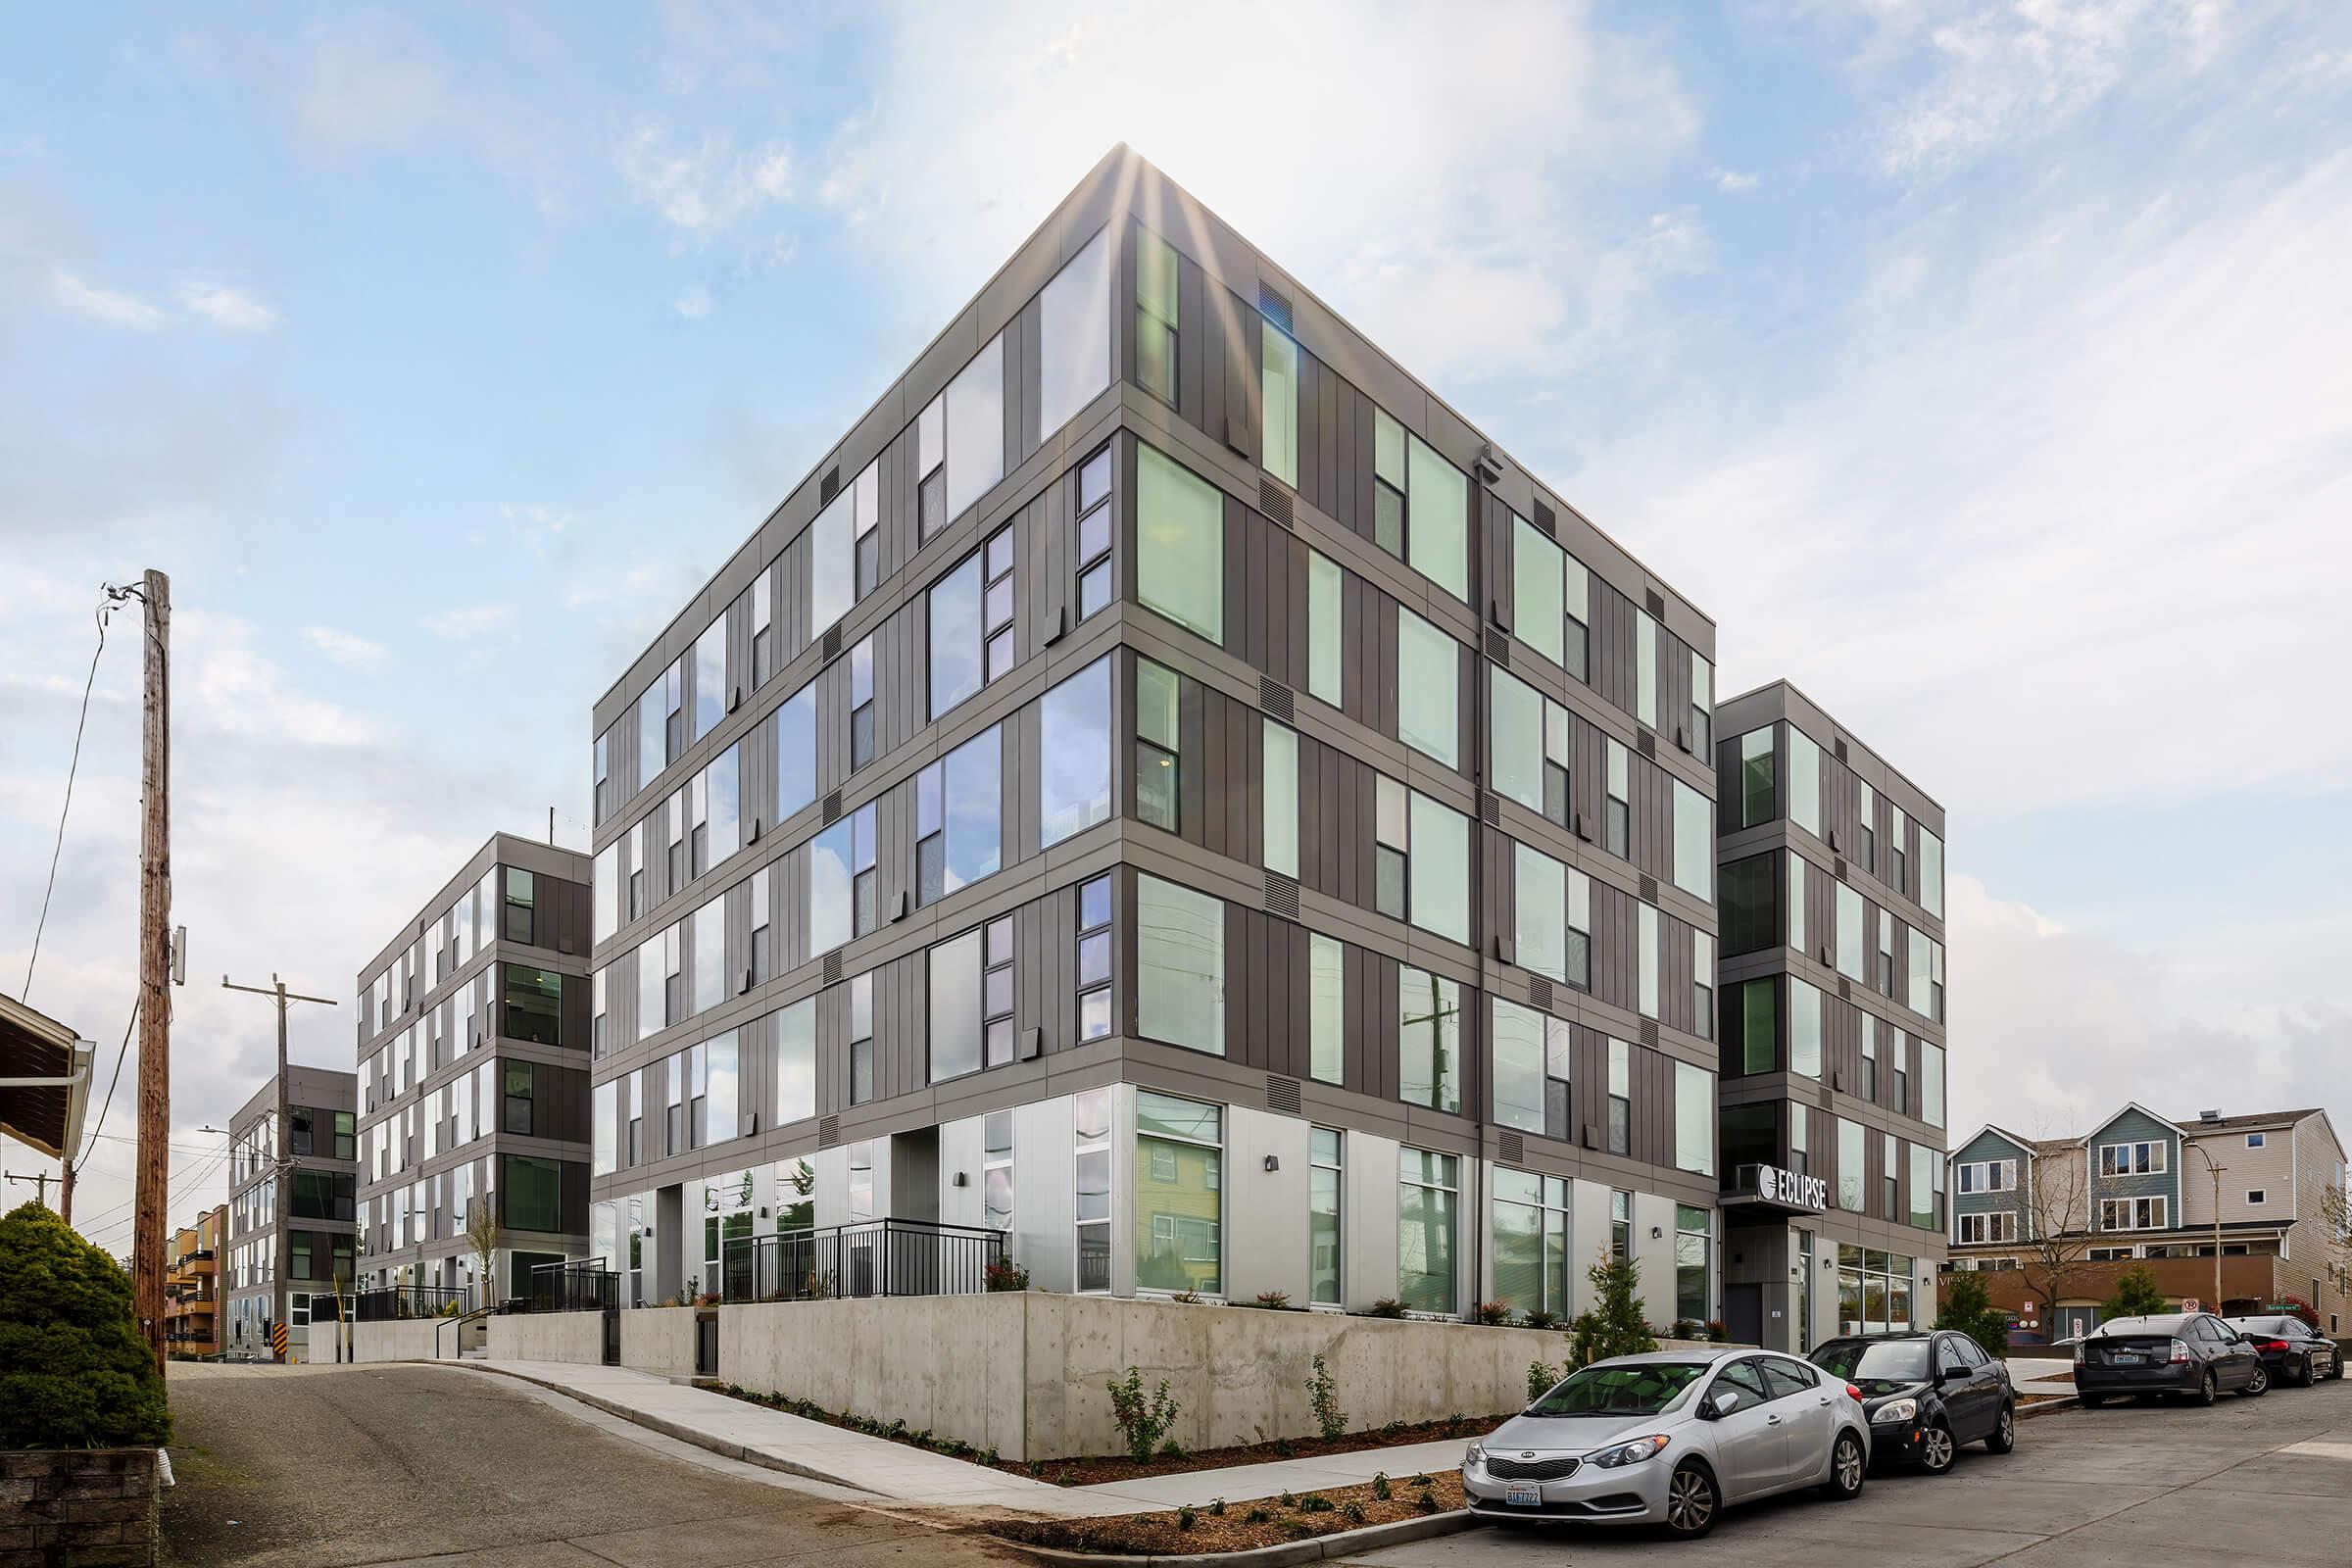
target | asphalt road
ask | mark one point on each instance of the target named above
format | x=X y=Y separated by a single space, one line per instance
x=334 y=1467
x=2265 y=1481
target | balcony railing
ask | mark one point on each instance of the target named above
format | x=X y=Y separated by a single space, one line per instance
x=584 y=1287
x=877 y=1258
x=391 y=1302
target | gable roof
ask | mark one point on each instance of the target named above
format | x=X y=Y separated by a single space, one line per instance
x=2253 y=1121
x=2022 y=1145
x=2129 y=1105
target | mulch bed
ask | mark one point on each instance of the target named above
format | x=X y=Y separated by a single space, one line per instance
x=1242 y=1524
x=1089 y=1471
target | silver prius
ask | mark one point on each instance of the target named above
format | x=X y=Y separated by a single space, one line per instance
x=1670 y=1439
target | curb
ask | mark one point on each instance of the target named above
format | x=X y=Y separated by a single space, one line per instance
x=1344 y=1542
x=2026 y=1412
x=670 y=1429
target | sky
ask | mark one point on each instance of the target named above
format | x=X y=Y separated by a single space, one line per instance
x=1984 y=369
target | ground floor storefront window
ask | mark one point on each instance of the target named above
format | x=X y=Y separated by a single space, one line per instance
x=1874 y=1291
x=1426 y=1188
x=1531 y=1241
x=1179 y=1149
x=1694 y=1242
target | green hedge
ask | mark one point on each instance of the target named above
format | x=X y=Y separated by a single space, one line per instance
x=74 y=1370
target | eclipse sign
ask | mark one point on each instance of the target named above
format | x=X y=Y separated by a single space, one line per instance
x=1777 y=1186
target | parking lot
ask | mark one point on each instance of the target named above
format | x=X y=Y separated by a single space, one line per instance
x=2250 y=1481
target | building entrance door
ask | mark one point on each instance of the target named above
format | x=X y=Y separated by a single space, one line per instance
x=1744 y=1314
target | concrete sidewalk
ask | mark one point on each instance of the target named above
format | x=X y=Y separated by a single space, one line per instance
x=910 y=1477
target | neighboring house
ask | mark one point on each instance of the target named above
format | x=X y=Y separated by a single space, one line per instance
x=2139 y=1189
x=192 y=1285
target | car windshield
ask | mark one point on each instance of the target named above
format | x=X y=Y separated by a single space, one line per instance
x=2274 y=1326
x=1635 y=1388
x=1868 y=1361
x=2145 y=1327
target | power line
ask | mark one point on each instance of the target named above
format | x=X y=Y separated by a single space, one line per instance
x=114 y=597
x=115 y=1218
x=121 y=1052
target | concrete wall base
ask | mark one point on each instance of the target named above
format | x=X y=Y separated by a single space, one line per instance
x=77 y=1508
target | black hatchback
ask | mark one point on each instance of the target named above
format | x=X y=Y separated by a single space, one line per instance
x=2291 y=1350
x=1926 y=1395
x=2194 y=1355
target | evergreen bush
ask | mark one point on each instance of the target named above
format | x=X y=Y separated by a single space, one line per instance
x=74 y=1370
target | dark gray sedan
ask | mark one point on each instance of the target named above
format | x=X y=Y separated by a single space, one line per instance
x=2291 y=1350
x=2192 y=1355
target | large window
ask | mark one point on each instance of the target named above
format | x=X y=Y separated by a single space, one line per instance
x=607 y=906
x=955 y=636
x=1539 y=615
x=520 y=1099
x=1527 y=737
x=1693 y=1247
x=1439 y=891
x=1074 y=754
x=659 y=998
x=1694 y=1119
x=976 y=428
x=718 y=1116
x=1554 y=917
x=1090 y=1129
x=1853 y=1143
x=1805 y=1005
x=1421 y=506
x=1074 y=341
x=1746 y=901
x=841 y=882
x=1520 y=1064
x=1427 y=1185
x=530 y=1189
x=1094 y=958
x=1924 y=1171
x=1325 y=1176
x=1646 y=668
x=956 y=965
x=1179 y=544
x=653 y=707
x=1759 y=1045
x=1278 y=388
x=1428 y=1039
x=1804 y=781
x=1756 y=791
x=833 y=561
x=1155 y=275
x=1428 y=689
x=1281 y=804
x=861 y=1041
x=1179 y=1212
x=1531 y=1241
x=718 y=812
x=861 y=704
x=1180 y=965
x=796 y=751
x=533 y=1005
x=1326 y=1007
x=796 y=1056
x=709 y=925
x=1850 y=938
x=1621 y=1097
x=1930 y=1083
x=520 y=922
x=1931 y=874
x=996 y=1172
x=1693 y=842
x=1325 y=663
x=1158 y=774
x=959 y=804
x=1093 y=511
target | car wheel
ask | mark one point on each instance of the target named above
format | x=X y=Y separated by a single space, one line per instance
x=2209 y=1390
x=1848 y=1469
x=2336 y=1367
x=1691 y=1501
x=2305 y=1374
x=2093 y=1401
x=2259 y=1384
x=1936 y=1450
x=2003 y=1435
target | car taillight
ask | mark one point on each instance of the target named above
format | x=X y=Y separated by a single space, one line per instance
x=1853 y=1394
x=2179 y=1351
x=2274 y=1345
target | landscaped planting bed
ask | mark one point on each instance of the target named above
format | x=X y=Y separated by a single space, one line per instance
x=1225 y=1525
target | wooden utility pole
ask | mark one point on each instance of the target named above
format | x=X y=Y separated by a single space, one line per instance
x=40 y=1184
x=155 y=963
x=283 y=1149
x=65 y=1196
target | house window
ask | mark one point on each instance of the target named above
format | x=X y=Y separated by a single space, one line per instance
x=1578 y=648
x=1902 y=1071
x=1393 y=847
x=1090 y=1113
x=2256 y=1196
x=1427 y=1187
x=1694 y=1119
x=1897 y=832
x=1886 y=954
x=718 y=806
x=604 y=778
x=1437 y=888
x=2133 y=1213
x=1759 y=1045
x=1891 y=1178
x=1852 y=1152
x=1429 y=1039
x=1179 y=1202
x=1278 y=387
x=1530 y=1217
x=2257 y=1140
x=1702 y=706
x=1157 y=780
x=1931 y=874
x=1870 y=1058
x=861 y=704
x=1156 y=278
x=1977 y=1230
x=959 y=801
x=1693 y=1261
x=1621 y=1097
x=1866 y=843
x=1925 y=1188
x=763 y=638
x=1801 y=1136
x=1179 y=544
x=518 y=924
x=975 y=428
x=1180 y=965
x=931 y=464
x=1617 y=817
x=1693 y=842
x=1528 y=740
x=1648 y=957
x=1094 y=958
x=1852 y=920
x=996 y=604
x=996 y=994
x=1646 y=668
x=955 y=1007
x=1621 y=1226
x=1094 y=533
x=1428 y=688
x=515 y=1114
x=2131 y=1159
x=763 y=953
x=1518 y=1056
x=709 y=925
x=1325 y=1179
x=1074 y=335
x=1326 y=1007
x=1804 y=781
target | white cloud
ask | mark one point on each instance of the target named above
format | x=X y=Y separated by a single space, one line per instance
x=102 y=305
x=703 y=189
x=219 y=682
x=692 y=302
x=1727 y=180
x=227 y=306
x=344 y=648
x=471 y=623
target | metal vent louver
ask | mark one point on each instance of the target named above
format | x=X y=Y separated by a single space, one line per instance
x=1275 y=501
x=1275 y=698
x=832 y=967
x=1656 y=601
x=1650 y=1031
x=829 y=1132
x=1498 y=647
x=1281 y=896
x=1544 y=520
x=1649 y=887
x=829 y=486
x=1282 y=1094
x=1276 y=309
x=1512 y=1146
x=1538 y=993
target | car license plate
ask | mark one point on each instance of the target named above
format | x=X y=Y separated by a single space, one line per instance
x=1519 y=1494
x=2126 y=1359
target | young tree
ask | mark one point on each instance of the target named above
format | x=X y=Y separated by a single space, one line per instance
x=1968 y=1308
x=2057 y=1221
x=481 y=1233
x=1613 y=1325
x=2135 y=1294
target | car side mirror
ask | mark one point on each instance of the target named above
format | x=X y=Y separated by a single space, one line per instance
x=1714 y=1407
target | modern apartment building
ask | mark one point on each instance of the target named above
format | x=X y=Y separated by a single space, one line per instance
x=1831 y=882
x=473 y=1073
x=2143 y=1190
x=289 y=1209
x=1167 y=790
x=192 y=1285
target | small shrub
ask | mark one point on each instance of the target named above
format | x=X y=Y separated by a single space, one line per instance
x=1189 y=1298
x=1322 y=1393
x=1427 y=1503
x=1065 y=1478
x=1297 y=1529
x=1216 y=1507
x=1380 y=1486
x=1256 y=1516
x=1316 y=1504
x=1037 y=1470
x=1718 y=1330
x=1385 y=1306
x=1392 y=1428
x=1423 y=1481
x=989 y=1456
x=1491 y=1313
x=1273 y=1301
x=1143 y=1422
x=1454 y=1424
x=1541 y=1376
x=1282 y=1449
x=1539 y=1318
x=1353 y=1513
x=74 y=1370
x=1006 y=1275
x=1171 y=1449
x=1286 y=1500
x=1184 y=1517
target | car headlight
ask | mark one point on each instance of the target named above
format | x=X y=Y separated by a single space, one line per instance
x=1476 y=1455
x=1632 y=1452
x=1897 y=1410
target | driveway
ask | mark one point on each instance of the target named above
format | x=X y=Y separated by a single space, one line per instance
x=2250 y=1481
x=405 y=1466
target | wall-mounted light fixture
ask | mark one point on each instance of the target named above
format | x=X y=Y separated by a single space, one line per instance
x=1655 y=1233
x=1273 y=1162
x=959 y=1179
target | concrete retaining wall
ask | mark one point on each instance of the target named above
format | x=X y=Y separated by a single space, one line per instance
x=1026 y=1374
x=659 y=1340
x=77 y=1508
x=550 y=1336
x=407 y=1338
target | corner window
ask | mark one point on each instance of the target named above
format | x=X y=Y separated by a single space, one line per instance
x=1702 y=706
x=1930 y=1083
x=533 y=1009
x=1428 y=688
x=1646 y=668
x=1156 y=276
x=1931 y=874
x=1074 y=754
x=959 y=809
x=1756 y=803
x=518 y=924
x=1074 y=337
x=1178 y=1199
x=517 y=1101
x=1179 y=544
x=1278 y=387
x=1156 y=776
x=975 y=428
x=1094 y=533
x=1866 y=841
x=1429 y=1039
x=832 y=562
x=1804 y=781
x=763 y=636
x=1180 y=965
x=1094 y=958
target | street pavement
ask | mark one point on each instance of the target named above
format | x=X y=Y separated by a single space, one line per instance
x=2263 y=1481
x=424 y=1467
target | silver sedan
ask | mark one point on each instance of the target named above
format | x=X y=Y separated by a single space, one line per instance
x=1670 y=1439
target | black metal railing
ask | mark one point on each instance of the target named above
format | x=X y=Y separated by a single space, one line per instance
x=582 y=1287
x=876 y=1257
x=390 y=1302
